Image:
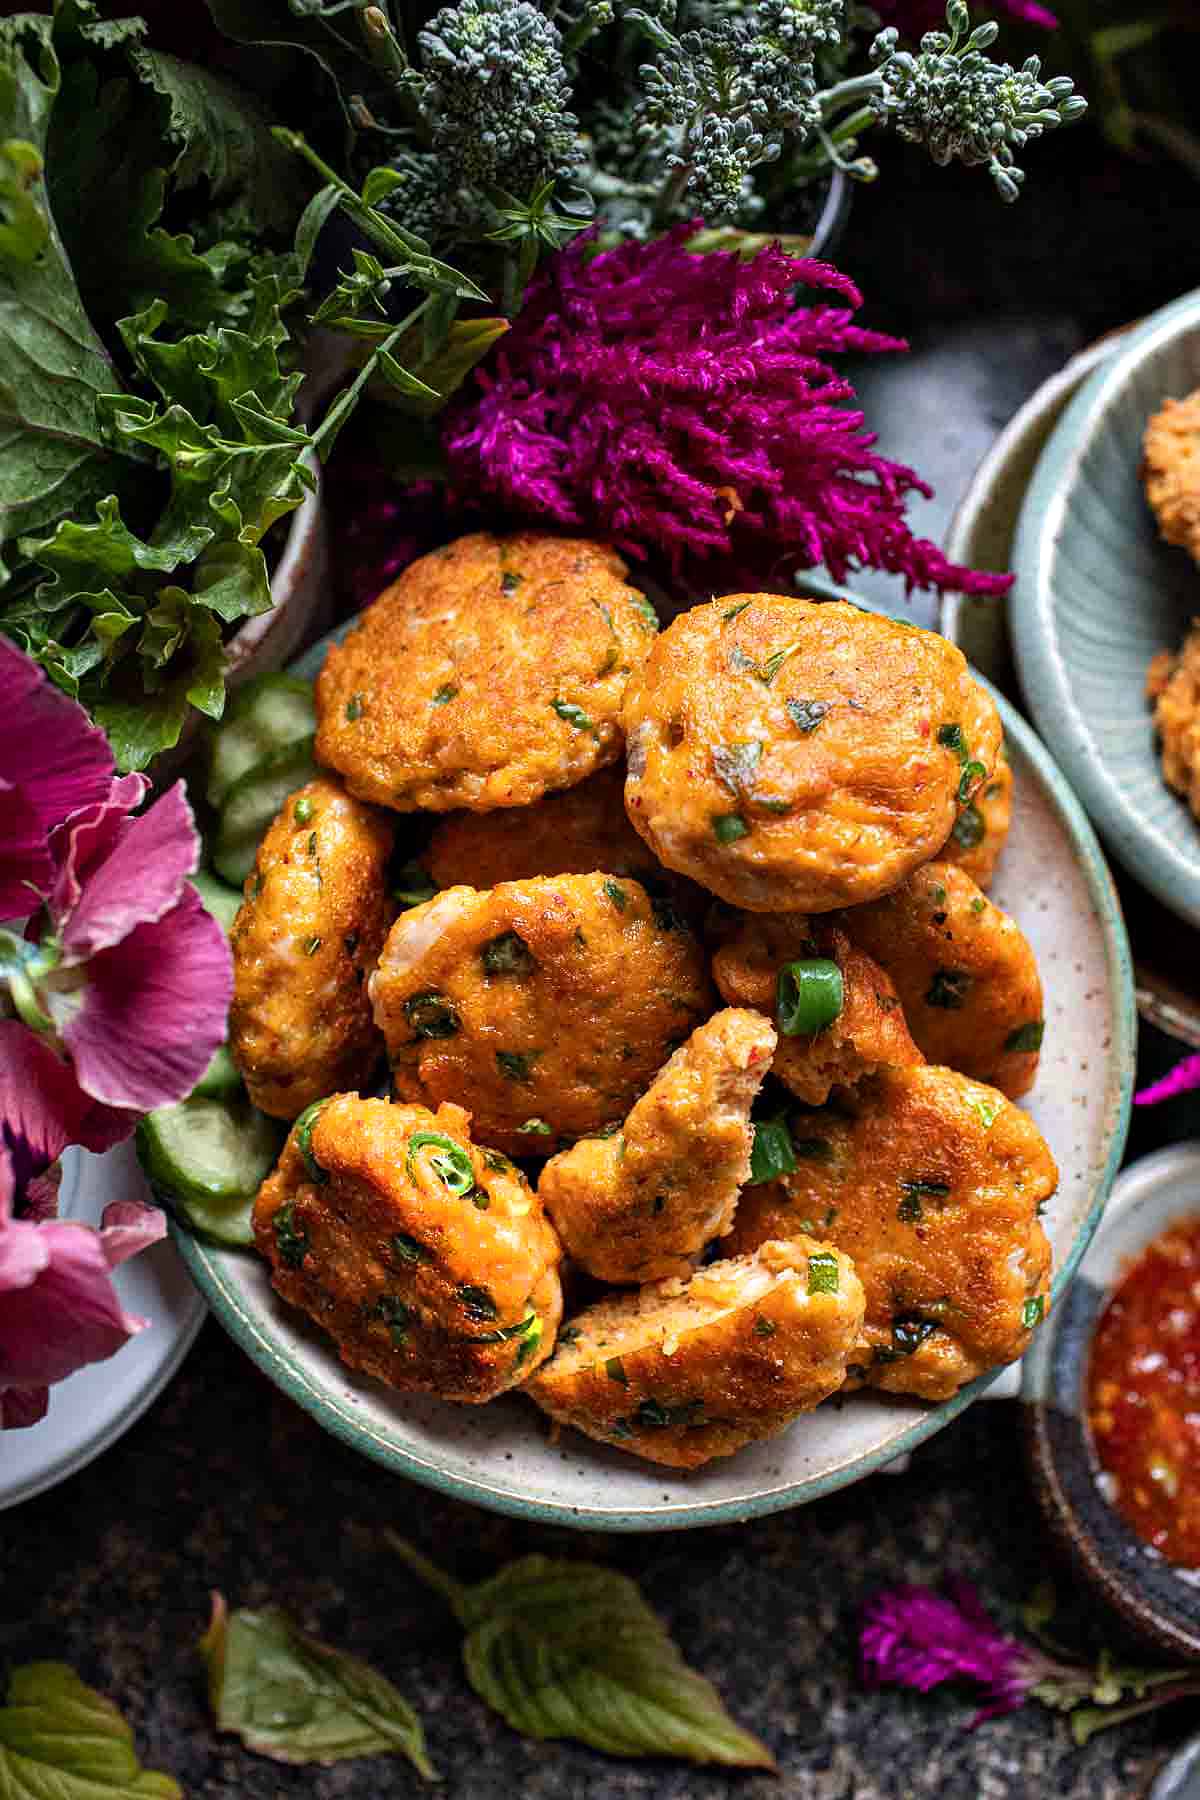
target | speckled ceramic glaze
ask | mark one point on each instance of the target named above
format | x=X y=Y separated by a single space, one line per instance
x=1053 y=877
x=1159 y=1601
x=1097 y=594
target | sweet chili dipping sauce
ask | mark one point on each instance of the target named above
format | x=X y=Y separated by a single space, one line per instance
x=1144 y=1399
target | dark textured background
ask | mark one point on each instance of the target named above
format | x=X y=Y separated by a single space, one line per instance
x=225 y=1484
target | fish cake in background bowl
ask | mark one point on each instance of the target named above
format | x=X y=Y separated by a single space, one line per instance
x=430 y=1262
x=965 y=972
x=308 y=933
x=866 y=1033
x=642 y=1203
x=685 y=1371
x=796 y=756
x=492 y=672
x=933 y=1185
x=546 y=1007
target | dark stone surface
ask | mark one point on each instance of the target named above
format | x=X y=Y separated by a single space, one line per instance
x=225 y=1484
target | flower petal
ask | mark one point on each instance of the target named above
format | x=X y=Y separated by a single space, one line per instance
x=43 y=1108
x=22 y=1407
x=127 y=1226
x=154 y=1010
x=50 y=753
x=83 y=841
x=25 y=861
x=68 y=1317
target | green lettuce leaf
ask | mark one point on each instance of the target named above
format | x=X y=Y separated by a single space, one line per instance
x=291 y=1697
x=60 y=1740
x=564 y=1649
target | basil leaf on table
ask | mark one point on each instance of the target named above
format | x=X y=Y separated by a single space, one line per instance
x=564 y=1649
x=291 y=1697
x=61 y=1740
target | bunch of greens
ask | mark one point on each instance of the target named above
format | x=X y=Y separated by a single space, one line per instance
x=146 y=215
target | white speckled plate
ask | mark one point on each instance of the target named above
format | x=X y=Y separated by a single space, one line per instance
x=1097 y=594
x=1054 y=878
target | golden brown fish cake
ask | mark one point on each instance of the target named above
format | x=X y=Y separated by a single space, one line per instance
x=307 y=935
x=492 y=672
x=1171 y=471
x=933 y=1189
x=981 y=828
x=1173 y=683
x=545 y=1007
x=869 y=1033
x=685 y=1371
x=429 y=1261
x=965 y=972
x=795 y=756
x=642 y=1204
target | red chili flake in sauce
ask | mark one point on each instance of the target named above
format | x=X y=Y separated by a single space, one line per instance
x=1144 y=1394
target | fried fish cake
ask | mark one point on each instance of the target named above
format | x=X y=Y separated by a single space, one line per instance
x=966 y=975
x=981 y=828
x=642 y=1204
x=1171 y=471
x=685 y=1371
x=1173 y=684
x=933 y=1188
x=492 y=672
x=795 y=756
x=868 y=1034
x=308 y=933
x=545 y=1007
x=429 y=1261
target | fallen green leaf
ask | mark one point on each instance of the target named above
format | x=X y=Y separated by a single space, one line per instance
x=61 y=1740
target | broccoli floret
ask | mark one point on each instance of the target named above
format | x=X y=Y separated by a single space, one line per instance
x=496 y=94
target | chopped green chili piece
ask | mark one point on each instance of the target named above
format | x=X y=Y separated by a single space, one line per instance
x=733 y=611
x=729 y=827
x=735 y=765
x=823 y=1272
x=972 y=773
x=569 y=1334
x=987 y=1108
x=302 y=812
x=431 y=1015
x=774 y=663
x=614 y=1368
x=516 y=1065
x=448 y=1160
x=616 y=894
x=395 y=1315
x=574 y=715
x=503 y=1333
x=354 y=707
x=651 y=1415
x=291 y=1240
x=949 y=989
x=908 y=1334
x=978 y=904
x=408 y=1249
x=445 y=694
x=303 y=1129
x=499 y=1165
x=644 y=610
x=1026 y=1037
x=620 y=1429
x=413 y=885
x=529 y=1343
x=952 y=737
x=1033 y=1311
x=535 y=1128
x=311 y=946
x=809 y=995
x=507 y=954
x=772 y=1154
x=312 y=843
x=969 y=829
x=910 y=1209
x=510 y=581
x=764 y=1327
x=806 y=715
x=477 y=1303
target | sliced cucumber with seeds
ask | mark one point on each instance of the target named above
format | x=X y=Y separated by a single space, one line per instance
x=252 y=803
x=267 y=714
x=221 y=900
x=209 y=1158
x=221 y=1078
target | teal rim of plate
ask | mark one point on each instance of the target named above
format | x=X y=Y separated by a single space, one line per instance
x=1042 y=674
x=248 y=1332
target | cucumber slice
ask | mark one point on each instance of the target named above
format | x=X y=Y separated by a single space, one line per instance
x=209 y=1158
x=221 y=900
x=252 y=803
x=221 y=1078
x=266 y=714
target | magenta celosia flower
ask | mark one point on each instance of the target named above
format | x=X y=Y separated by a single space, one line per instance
x=680 y=406
x=121 y=982
x=918 y=1638
x=1184 y=1078
x=912 y=18
x=58 y=1307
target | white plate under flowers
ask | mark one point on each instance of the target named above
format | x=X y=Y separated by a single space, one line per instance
x=1054 y=879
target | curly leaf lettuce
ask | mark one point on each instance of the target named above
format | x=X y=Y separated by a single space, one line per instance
x=60 y=1740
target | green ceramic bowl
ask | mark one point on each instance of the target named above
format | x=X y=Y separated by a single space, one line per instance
x=1097 y=594
x=1054 y=878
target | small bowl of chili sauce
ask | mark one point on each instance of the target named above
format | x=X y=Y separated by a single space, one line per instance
x=1112 y=1392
